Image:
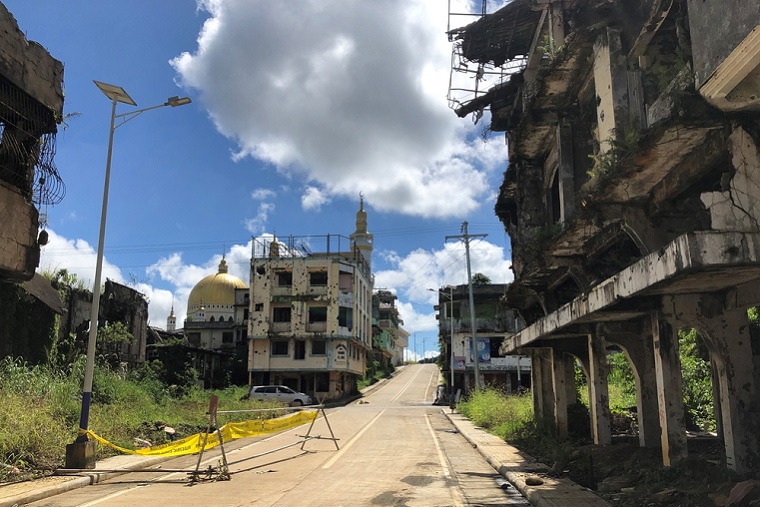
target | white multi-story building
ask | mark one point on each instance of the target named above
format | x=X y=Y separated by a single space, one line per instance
x=310 y=323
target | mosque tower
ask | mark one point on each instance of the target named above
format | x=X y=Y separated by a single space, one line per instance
x=361 y=238
x=171 y=321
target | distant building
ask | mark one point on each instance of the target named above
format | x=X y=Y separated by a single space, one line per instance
x=216 y=325
x=494 y=321
x=310 y=325
x=386 y=331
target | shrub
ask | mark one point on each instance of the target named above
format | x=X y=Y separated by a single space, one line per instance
x=498 y=412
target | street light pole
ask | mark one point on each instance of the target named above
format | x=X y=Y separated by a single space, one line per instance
x=450 y=295
x=78 y=456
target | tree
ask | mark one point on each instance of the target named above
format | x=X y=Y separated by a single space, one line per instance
x=480 y=279
x=111 y=337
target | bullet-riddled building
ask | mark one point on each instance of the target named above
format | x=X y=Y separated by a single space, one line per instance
x=310 y=325
x=31 y=107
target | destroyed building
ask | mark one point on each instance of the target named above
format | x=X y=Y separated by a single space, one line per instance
x=631 y=198
x=31 y=107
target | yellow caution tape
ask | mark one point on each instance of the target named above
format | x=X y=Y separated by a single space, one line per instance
x=230 y=431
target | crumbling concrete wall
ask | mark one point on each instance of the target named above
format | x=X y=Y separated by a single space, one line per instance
x=31 y=105
x=719 y=26
x=737 y=207
x=28 y=65
x=19 y=252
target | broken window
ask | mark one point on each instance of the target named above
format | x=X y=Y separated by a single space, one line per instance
x=281 y=314
x=317 y=314
x=284 y=278
x=346 y=317
x=318 y=347
x=299 y=351
x=280 y=348
x=318 y=278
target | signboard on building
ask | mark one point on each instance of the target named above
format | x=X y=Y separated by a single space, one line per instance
x=484 y=350
x=340 y=353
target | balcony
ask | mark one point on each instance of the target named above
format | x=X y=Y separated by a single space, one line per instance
x=316 y=327
x=280 y=327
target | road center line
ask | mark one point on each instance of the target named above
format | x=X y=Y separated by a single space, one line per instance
x=351 y=442
x=403 y=389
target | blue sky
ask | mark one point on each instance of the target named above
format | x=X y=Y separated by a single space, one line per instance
x=298 y=107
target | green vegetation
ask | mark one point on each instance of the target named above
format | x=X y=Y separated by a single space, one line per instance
x=511 y=416
x=499 y=413
x=608 y=161
x=697 y=381
x=375 y=371
x=40 y=405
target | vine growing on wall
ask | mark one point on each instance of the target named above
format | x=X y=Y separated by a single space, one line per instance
x=608 y=162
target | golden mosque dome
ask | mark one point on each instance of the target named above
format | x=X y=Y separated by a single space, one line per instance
x=215 y=290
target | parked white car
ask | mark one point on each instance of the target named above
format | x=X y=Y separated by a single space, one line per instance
x=283 y=394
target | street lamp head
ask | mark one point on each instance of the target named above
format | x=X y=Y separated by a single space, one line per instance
x=176 y=101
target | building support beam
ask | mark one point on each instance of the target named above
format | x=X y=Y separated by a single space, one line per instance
x=543 y=389
x=636 y=341
x=726 y=333
x=564 y=396
x=669 y=395
x=599 y=400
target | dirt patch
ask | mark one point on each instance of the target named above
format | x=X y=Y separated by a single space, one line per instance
x=626 y=475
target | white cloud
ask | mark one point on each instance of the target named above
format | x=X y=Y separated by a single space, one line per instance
x=346 y=95
x=412 y=276
x=257 y=224
x=313 y=199
x=262 y=194
x=78 y=257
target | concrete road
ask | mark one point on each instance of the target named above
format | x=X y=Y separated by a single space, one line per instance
x=396 y=449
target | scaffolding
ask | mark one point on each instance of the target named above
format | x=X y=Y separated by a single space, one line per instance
x=469 y=79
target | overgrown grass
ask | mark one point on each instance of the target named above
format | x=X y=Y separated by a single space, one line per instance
x=40 y=407
x=498 y=412
x=375 y=372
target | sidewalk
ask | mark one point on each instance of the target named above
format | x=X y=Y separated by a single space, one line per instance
x=518 y=468
x=20 y=493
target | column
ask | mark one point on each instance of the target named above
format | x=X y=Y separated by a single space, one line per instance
x=669 y=394
x=599 y=402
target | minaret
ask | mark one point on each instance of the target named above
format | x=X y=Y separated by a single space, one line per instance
x=361 y=238
x=171 y=321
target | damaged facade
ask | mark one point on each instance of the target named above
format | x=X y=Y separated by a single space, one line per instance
x=388 y=337
x=31 y=107
x=631 y=198
x=310 y=324
x=118 y=303
x=493 y=323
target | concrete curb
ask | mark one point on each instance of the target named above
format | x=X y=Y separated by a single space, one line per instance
x=517 y=467
x=39 y=489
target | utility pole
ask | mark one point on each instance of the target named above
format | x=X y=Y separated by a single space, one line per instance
x=465 y=236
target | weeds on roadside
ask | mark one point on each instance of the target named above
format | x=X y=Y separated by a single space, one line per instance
x=39 y=413
x=498 y=412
